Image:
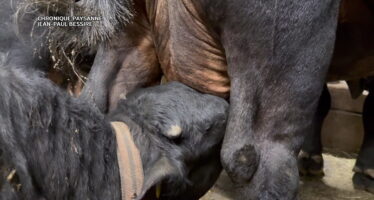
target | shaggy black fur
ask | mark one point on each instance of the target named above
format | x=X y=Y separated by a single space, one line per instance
x=114 y=15
x=29 y=45
x=25 y=44
x=64 y=148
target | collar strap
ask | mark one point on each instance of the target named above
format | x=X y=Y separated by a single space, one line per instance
x=129 y=162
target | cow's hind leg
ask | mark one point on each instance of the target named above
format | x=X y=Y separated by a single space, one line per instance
x=128 y=62
x=277 y=56
x=364 y=169
x=310 y=159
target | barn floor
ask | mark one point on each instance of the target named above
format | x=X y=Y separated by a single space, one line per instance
x=335 y=185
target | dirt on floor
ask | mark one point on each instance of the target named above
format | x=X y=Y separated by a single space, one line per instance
x=335 y=185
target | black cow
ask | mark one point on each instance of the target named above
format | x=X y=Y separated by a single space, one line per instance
x=311 y=160
x=64 y=148
x=269 y=57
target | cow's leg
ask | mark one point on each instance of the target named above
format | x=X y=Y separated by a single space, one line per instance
x=127 y=62
x=364 y=169
x=102 y=72
x=278 y=53
x=310 y=159
x=140 y=68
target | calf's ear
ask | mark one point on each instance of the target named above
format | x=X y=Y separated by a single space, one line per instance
x=161 y=170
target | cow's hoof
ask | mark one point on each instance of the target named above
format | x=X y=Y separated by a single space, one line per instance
x=363 y=182
x=310 y=164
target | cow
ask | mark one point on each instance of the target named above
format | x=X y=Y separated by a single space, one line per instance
x=64 y=148
x=352 y=61
x=268 y=58
x=310 y=158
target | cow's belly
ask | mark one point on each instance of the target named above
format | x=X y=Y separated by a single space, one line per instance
x=198 y=68
x=187 y=48
x=190 y=52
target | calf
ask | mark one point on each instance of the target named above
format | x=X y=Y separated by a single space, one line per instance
x=64 y=148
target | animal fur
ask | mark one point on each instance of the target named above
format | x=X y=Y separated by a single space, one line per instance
x=64 y=148
x=114 y=15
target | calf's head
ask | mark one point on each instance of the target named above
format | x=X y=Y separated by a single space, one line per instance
x=179 y=132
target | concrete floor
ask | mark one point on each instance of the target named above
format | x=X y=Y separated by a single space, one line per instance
x=335 y=185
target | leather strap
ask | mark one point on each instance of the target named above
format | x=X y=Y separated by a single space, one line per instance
x=129 y=162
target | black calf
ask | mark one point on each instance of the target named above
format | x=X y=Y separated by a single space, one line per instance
x=63 y=148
